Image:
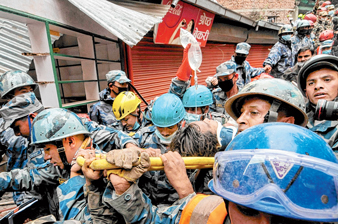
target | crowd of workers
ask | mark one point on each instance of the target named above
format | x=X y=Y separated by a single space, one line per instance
x=273 y=132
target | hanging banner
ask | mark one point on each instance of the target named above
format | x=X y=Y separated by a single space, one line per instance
x=195 y=20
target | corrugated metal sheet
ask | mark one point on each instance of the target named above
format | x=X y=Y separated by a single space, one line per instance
x=257 y=55
x=14 y=40
x=127 y=24
x=155 y=65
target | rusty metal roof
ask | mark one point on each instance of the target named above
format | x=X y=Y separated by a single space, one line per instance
x=128 y=20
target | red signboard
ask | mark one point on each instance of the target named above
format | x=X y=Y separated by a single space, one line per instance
x=195 y=20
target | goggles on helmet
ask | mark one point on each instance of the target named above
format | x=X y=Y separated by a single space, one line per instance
x=302 y=186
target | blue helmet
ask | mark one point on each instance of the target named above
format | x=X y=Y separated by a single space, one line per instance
x=56 y=124
x=281 y=169
x=199 y=97
x=167 y=111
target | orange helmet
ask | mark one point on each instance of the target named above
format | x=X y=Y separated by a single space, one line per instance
x=326 y=3
x=326 y=35
x=311 y=17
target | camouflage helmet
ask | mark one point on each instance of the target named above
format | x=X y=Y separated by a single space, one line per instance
x=323 y=13
x=13 y=79
x=285 y=29
x=19 y=107
x=303 y=23
x=277 y=89
x=56 y=124
x=118 y=76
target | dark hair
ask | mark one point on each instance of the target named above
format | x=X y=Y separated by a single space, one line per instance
x=190 y=141
x=303 y=49
x=192 y=26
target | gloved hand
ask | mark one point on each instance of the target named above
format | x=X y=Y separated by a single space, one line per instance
x=136 y=172
x=184 y=70
x=124 y=158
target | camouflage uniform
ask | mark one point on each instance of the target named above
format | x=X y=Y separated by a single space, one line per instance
x=326 y=129
x=298 y=42
x=246 y=71
x=291 y=74
x=155 y=183
x=280 y=59
x=47 y=177
x=136 y=207
x=179 y=87
x=102 y=112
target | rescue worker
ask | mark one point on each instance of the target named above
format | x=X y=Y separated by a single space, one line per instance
x=300 y=40
x=167 y=114
x=291 y=74
x=321 y=25
x=226 y=79
x=14 y=83
x=261 y=101
x=254 y=182
x=325 y=47
x=64 y=132
x=280 y=56
x=127 y=110
x=243 y=69
x=102 y=112
x=267 y=100
x=318 y=79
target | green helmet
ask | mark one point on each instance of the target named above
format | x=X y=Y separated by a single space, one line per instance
x=56 y=124
x=285 y=29
x=19 y=107
x=11 y=80
x=278 y=90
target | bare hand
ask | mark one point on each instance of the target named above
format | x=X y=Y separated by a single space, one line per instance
x=214 y=81
x=120 y=184
x=267 y=68
x=183 y=22
x=176 y=173
x=87 y=154
x=90 y=174
x=153 y=152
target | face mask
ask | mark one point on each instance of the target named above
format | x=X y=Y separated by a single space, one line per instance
x=309 y=31
x=192 y=117
x=300 y=64
x=302 y=32
x=136 y=126
x=226 y=85
x=286 y=37
x=239 y=60
x=331 y=13
x=326 y=52
x=165 y=140
x=121 y=89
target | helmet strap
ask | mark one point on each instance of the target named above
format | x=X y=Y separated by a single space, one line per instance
x=272 y=114
x=138 y=115
x=62 y=154
x=29 y=125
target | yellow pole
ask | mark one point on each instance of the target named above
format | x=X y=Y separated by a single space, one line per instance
x=155 y=163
